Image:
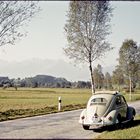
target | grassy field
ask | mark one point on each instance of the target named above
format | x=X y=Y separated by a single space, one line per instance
x=128 y=131
x=37 y=101
x=135 y=95
x=40 y=97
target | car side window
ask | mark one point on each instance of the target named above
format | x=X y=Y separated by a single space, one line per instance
x=123 y=100
x=118 y=101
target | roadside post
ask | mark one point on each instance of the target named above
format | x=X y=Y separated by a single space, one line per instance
x=59 y=103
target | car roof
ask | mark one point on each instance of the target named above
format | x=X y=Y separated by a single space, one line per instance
x=104 y=94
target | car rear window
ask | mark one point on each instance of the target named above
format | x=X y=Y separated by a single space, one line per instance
x=101 y=101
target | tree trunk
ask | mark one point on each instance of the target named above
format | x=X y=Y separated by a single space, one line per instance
x=130 y=87
x=92 y=78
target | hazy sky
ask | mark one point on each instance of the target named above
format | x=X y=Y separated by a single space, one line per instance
x=45 y=42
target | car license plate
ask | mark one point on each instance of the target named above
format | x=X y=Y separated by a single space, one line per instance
x=95 y=119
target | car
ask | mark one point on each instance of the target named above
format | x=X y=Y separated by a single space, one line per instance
x=106 y=108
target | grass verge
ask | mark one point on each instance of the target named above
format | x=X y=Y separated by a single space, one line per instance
x=127 y=131
x=21 y=113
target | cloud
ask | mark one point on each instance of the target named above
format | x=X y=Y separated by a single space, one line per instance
x=32 y=67
x=35 y=66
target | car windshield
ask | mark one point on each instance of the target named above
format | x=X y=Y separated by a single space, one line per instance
x=101 y=101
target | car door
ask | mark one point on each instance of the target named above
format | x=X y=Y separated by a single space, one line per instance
x=124 y=107
x=121 y=106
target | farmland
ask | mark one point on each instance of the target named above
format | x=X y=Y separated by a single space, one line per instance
x=38 y=101
x=25 y=98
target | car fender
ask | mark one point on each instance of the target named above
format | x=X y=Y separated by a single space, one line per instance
x=83 y=113
x=130 y=113
x=113 y=114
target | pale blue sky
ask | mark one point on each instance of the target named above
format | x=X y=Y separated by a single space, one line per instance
x=46 y=40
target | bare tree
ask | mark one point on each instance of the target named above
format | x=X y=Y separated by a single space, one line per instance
x=13 y=15
x=86 y=30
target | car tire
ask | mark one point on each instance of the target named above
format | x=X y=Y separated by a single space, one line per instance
x=134 y=113
x=119 y=118
x=86 y=127
x=119 y=121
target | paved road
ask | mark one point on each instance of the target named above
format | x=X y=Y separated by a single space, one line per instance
x=136 y=105
x=59 y=125
x=54 y=126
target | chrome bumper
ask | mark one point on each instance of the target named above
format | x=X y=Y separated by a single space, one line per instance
x=91 y=123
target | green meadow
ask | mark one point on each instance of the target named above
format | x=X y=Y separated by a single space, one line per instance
x=38 y=101
x=31 y=98
x=129 y=131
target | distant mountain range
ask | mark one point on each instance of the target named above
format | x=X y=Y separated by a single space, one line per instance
x=57 y=68
x=46 y=79
x=42 y=81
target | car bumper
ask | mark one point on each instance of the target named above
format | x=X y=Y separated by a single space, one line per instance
x=91 y=123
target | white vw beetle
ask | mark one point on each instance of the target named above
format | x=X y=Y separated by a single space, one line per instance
x=106 y=108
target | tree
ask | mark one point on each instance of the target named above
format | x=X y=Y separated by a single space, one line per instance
x=16 y=83
x=129 y=61
x=86 y=30
x=118 y=77
x=98 y=77
x=13 y=15
x=108 y=82
x=139 y=79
